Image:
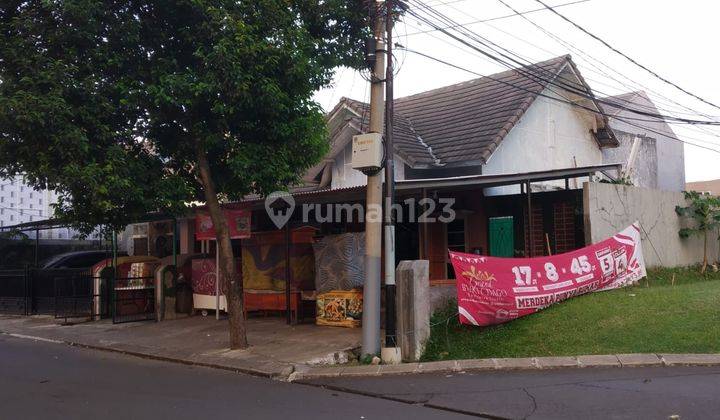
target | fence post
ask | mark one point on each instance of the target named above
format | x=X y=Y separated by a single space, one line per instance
x=413 y=308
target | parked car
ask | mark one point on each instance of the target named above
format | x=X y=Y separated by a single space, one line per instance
x=77 y=259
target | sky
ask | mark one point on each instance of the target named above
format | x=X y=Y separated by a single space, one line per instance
x=677 y=40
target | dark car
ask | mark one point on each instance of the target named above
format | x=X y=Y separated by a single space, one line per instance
x=77 y=259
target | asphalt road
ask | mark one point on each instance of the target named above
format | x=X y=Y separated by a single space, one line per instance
x=590 y=393
x=40 y=380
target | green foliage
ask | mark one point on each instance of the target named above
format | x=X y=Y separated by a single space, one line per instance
x=621 y=180
x=703 y=210
x=108 y=102
x=677 y=313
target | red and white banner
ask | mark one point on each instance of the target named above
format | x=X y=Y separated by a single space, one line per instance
x=494 y=290
x=238 y=222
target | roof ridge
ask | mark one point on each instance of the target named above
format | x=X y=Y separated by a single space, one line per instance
x=490 y=77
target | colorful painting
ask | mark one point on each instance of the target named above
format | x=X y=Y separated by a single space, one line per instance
x=340 y=308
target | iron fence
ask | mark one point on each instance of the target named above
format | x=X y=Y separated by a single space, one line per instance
x=14 y=292
x=133 y=299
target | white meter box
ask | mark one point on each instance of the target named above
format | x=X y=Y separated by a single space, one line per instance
x=367 y=151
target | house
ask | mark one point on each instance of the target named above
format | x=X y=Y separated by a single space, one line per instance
x=457 y=140
x=512 y=150
x=504 y=123
x=711 y=187
x=659 y=159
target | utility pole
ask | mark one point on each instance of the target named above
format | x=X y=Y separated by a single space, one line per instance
x=373 y=200
x=391 y=352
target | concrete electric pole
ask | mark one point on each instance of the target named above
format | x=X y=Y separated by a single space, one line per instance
x=391 y=352
x=373 y=201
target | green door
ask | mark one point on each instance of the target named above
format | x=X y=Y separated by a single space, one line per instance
x=502 y=238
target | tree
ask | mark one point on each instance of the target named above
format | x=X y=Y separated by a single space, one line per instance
x=130 y=106
x=704 y=211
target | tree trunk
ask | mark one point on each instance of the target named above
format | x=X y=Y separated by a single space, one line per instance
x=233 y=281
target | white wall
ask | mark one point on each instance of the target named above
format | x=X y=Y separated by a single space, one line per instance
x=610 y=208
x=548 y=136
x=670 y=151
x=343 y=175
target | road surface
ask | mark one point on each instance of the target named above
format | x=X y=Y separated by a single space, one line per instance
x=589 y=393
x=40 y=380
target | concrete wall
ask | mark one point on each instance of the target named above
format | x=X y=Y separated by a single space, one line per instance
x=550 y=135
x=609 y=208
x=670 y=151
x=645 y=169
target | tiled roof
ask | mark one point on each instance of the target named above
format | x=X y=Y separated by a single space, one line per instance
x=462 y=122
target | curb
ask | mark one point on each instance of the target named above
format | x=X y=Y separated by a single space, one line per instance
x=302 y=373
x=282 y=375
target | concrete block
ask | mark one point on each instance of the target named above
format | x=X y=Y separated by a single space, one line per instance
x=476 y=364
x=516 y=363
x=442 y=366
x=557 y=362
x=320 y=372
x=639 y=359
x=403 y=368
x=690 y=359
x=364 y=370
x=413 y=308
x=598 y=360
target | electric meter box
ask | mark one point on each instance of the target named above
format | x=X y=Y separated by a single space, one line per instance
x=367 y=151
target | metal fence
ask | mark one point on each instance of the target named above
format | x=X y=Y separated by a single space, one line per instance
x=63 y=292
x=14 y=292
x=133 y=299
x=78 y=295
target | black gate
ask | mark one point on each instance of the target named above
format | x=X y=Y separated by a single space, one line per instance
x=14 y=292
x=133 y=299
x=77 y=294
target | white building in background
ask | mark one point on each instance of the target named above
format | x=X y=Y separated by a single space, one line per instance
x=20 y=203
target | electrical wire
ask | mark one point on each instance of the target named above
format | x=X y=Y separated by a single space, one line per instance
x=635 y=62
x=598 y=70
x=574 y=104
x=511 y=62
x=516 y=13
x=608 y=97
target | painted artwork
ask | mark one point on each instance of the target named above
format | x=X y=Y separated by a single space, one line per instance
x=263 y=260
x=339 y=262
x=340 y=308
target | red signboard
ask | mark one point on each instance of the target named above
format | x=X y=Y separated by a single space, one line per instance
x=494 y=290
x=238 y=222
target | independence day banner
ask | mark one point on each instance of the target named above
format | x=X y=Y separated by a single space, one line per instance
x=494 y=290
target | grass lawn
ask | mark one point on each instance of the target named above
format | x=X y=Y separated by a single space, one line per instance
x=684 y=318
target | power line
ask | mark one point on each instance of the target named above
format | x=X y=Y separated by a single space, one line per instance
x=575 y=89
x=554 y=98
x=654 y=108
x=590 y=59
x=516 y=13
x=597 y=38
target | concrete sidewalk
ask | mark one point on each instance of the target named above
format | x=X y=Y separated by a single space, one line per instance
x=275 y=347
